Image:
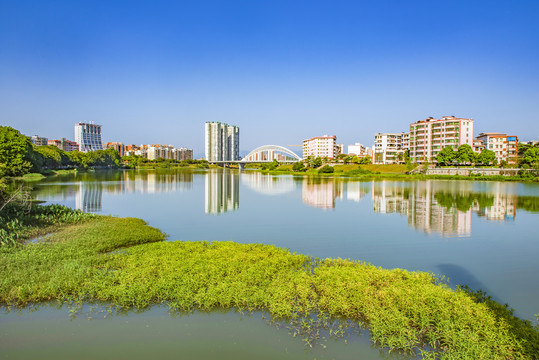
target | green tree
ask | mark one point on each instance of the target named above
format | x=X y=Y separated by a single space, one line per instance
x=326 y=169
x=531 y=156
x=356 y=159
x=316 y=162
x=366 y=160
x=465 y=154
x=487 y=157
x=15 y=152
x=446 y=156
x=298 y=166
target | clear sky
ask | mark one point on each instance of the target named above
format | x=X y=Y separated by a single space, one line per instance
x=283 y=71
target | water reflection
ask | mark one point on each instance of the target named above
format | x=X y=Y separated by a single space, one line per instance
x=321 y=192
x=222 y=191
x=268 y=184
x=444 y=207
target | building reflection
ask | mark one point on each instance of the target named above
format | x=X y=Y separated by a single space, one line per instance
x=442 y=207
x=321 y=192
x=89 y=197
x=268 y=184
x=222 y=191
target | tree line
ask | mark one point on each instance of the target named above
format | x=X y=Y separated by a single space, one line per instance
x=18 y=156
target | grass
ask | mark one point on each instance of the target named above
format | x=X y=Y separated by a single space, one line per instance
x=124 y=262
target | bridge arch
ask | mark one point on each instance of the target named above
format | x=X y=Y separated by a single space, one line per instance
x=268 y=153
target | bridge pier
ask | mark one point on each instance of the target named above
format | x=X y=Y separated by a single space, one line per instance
x=241 y=165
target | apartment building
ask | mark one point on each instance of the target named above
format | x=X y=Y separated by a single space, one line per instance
x=88 y=136
x=38 y=140
x=428 y=137
x=504 y=146
x=222 y=142
x=321 y=146
x=118 y=146
x=357 y=149
x=387 y=147
x=64 y=144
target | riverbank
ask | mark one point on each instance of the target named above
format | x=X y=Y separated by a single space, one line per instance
x=126 y=263
x=390 y=172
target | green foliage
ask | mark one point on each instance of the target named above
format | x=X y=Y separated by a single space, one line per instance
x=357 y=172
x=487 y=157
x=270 y=166
x=316 y=162
x=446 y=156
x=366 y=160
x=15 y=152
x=531 y=156
x=19 y=223
x=465 y=154
x=126 y=263
x=326 y=169
x=298 y=166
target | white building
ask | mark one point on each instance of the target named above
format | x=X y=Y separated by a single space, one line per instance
x=428 y=137
x=222 y=142
x=504 y=146
x=358 y=149
x=321 y=146
x=38 y=140
x=387 y=147
x=88 y=136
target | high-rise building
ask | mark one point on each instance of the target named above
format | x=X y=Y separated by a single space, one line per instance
x=88 y=136
x=321 y=146
x=428 y=137
x=222 y=142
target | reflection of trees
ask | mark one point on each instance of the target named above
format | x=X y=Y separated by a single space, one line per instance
x=268 y=184
x=464 y=202
x=528 y=203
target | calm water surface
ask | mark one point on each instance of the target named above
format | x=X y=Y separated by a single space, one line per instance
x=484 y=234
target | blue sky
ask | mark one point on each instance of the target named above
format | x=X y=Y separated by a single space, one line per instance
x=283 y=71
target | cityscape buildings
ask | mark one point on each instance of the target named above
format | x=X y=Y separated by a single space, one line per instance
x=64 y=144
x=321 y=146
x=118 y=146
x=88 y=136
x=222 y=142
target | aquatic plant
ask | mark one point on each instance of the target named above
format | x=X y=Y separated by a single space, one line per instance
x=125 y=263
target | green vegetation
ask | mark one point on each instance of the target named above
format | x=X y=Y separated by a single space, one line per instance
x=15 y=153
x=326 y=169
x=20 y=221
x=465 y=155
x=125 y=263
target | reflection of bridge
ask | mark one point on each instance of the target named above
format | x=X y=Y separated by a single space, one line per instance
x=265 y=153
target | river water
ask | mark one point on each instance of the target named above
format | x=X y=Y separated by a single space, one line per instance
x=483 y=234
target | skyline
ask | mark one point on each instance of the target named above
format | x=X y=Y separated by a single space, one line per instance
x=279 y=71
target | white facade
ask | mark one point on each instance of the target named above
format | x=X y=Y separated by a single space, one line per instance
x=357 y=149
x=504 y=146
x=222 y=142
x=387 y=147
x=88 y=136
x=428 y=137
x=321 y=146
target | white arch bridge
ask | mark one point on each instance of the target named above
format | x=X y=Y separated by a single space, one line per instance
x=265 y=153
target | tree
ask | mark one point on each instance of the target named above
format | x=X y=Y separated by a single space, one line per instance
x=446 y=156
x=317 y=162
x=486 y=157
x=531 y=156
x=366 y=160
x=15 y=152
x=298 y=166
x=356 y=159
x=326 y=169
x=465 y=154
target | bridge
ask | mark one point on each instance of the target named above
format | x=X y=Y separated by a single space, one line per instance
x=265 y=154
